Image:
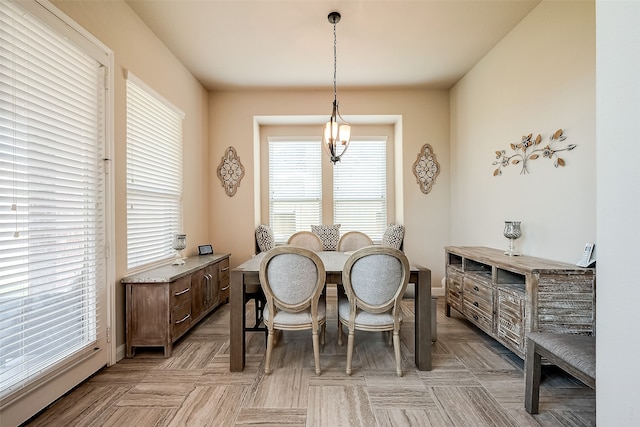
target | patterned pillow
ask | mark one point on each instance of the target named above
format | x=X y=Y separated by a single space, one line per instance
x=329 y=234
x=264 y=237
x=393 y=236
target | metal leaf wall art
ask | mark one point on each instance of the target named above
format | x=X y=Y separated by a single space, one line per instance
x=529 y=149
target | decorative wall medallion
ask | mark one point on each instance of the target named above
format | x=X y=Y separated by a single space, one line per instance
x=526 y=150
x=230 y=171
x=426 y=168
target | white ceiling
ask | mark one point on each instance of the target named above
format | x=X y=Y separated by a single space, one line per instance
x=236 y=44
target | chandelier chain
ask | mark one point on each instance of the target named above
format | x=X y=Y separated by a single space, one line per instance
x=335 y=61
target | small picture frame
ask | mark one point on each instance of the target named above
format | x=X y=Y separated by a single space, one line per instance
x=205 y=250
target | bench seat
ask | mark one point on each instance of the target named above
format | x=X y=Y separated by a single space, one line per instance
x=575 y=354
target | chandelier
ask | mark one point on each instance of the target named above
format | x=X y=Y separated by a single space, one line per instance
x=337 y=132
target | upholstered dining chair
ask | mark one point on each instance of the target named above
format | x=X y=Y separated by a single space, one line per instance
x=307 y=240
x=292 y=279
x=353 y=240
x=264 y=242
x=374 y=278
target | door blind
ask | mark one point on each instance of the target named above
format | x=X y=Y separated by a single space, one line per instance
x=52 y=200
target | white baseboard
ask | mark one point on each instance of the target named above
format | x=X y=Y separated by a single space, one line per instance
x=120 y=352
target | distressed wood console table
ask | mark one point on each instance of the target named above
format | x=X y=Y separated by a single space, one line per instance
x=509 y=296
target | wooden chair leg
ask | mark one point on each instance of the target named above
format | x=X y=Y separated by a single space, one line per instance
x=267 y=362
x=316 y=350
x=396 y=349
x=533 y=365
x=349 y=351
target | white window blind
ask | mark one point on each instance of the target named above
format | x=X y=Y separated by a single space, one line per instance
x=52 y=200
x=154 y=175
x=295 y=186
x=360 y=189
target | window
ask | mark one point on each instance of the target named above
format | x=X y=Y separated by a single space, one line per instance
x=355 y=189
x=52 y=198
x=295 y=186
x=154 y=175
x=360 y=190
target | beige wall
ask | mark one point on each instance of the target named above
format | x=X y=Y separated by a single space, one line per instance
x=137 y=49
x=425 y=119
x=538 y=79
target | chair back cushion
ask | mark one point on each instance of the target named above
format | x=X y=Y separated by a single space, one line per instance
x=292 y=277
x=353 y=240
x=376 y=277
x=307 y=240
x=264 y=237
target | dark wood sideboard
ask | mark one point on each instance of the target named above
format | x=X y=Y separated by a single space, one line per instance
x=163 y=303
x=509 y=296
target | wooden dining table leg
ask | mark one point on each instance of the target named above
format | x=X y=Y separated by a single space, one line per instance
x=236 y=323
x=423 y=320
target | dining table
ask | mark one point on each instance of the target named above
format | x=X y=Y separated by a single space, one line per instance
x=245 y=279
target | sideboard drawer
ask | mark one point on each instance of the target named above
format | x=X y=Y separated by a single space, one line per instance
x=180 y=291
x=223 y=279
x=180 y=319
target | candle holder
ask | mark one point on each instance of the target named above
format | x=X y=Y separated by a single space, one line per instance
x=512 y=232
x=178 y=244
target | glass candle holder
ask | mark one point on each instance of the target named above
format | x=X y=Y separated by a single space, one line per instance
x=178 y=244
x=512 y=232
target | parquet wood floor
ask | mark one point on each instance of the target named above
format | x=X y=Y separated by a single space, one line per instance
x=474 y=382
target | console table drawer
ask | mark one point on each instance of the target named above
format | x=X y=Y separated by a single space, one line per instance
x=479 y=316
x=478 y=291
x=478 y=305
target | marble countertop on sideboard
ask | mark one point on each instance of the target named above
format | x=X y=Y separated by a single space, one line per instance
x=170 y=272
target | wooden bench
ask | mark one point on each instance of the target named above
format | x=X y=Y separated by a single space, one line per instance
x=575 y=354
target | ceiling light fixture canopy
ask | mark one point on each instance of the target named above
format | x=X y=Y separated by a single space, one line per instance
x=337 y=132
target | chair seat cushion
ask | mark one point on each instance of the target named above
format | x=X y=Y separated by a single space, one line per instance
x=363 y=318
x=296 y=319
x=578 y=351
